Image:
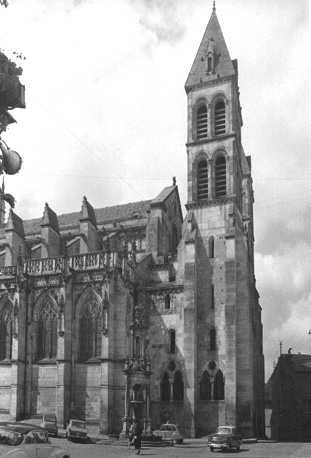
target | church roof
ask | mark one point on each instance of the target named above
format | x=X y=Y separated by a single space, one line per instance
x=223 y=63
x=104 y=215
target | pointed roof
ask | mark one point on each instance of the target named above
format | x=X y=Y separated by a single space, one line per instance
x=49 y=218
x=87 y=212
x=15 y=223
x=223 y=63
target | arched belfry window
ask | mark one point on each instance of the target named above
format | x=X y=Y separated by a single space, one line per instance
x=178 y=387
x=202 y=179
x=205 y=387
x=219 y=386
x=47 y=332
x=165 y=387
x=220 y=177
x=90 y=326
x=6 y=328
x=220 y=118
x=172 y=334
x=202 y=121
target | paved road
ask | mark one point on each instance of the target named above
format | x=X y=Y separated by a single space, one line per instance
x=190 y=449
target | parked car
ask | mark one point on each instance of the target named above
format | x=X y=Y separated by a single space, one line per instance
x=225 y=438
x=47 y=421
x=27 y=441
x=169 y=432
x=76 y=429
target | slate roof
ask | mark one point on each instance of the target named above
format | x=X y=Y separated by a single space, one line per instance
x=104 y=215
x=224 y=66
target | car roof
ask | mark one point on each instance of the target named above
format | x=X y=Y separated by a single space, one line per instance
x=23 y=428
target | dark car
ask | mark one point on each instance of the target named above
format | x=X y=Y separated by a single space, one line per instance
x=28 y=441
x=225 y=438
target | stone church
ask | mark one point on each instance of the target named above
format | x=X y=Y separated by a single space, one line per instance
x=135 y=310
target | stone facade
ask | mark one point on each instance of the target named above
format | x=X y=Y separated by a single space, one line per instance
x=133 y=311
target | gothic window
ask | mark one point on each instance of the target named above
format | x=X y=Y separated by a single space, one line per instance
x=202 y=180
x=167 y=302
x=212 y=337
x=178 y=387
x=211 y=244
x=202 y=121
x=90 y=333
x=212 y=296
x=219 y=386
x=172 y=334
x=220 y=118
x=137 y=347
x=209 y=64
x=47 y=332
x=165 y=388
x=5 y=334
x=205 y=387
x=220 y=177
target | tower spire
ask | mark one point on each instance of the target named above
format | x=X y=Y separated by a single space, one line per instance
x=214 y=6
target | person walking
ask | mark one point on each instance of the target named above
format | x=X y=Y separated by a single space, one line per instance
x=137 y=438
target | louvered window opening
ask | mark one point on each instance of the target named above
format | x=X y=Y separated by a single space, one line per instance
x=220 y=118
x=202 y=180
x=220 y=177
x=202 y=122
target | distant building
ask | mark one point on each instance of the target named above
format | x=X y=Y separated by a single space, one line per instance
x=289 y=389
x=131 y=310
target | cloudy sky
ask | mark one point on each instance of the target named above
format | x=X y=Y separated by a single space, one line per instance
x=106 y=117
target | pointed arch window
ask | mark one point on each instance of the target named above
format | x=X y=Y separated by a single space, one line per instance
x=172 y=334
x=220 y=118
x=6 y=333
x=205 y=387
x=90 y=326
x=211 y=244
x=212 y=337
x=202 y=121
x=202 y=179
x=165 y=388
x=212 y=296
x=47 y=332
x=178 y=387
x=219 y=386
x=167 y=302
x=220 y=177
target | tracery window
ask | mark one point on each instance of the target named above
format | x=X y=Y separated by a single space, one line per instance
x=220 y=177
x=202 y=179
x=205 y=387
x=165 y=387
x=219 y=386
x=178 y=387
x=47 y=332
x=6 y=328
x=90 y=327
x=202 y=121
x=220 y=118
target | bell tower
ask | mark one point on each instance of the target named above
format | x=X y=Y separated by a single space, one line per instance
x=229 y=362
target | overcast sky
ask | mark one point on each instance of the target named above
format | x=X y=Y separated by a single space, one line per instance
x=106 y=117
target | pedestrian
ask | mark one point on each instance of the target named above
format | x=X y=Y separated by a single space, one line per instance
x=137 y=438
x=131 y=434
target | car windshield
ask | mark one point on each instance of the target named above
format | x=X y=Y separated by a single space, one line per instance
x=225 y=430
x=10 y=437
x=78 y=424
x=168 y=428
